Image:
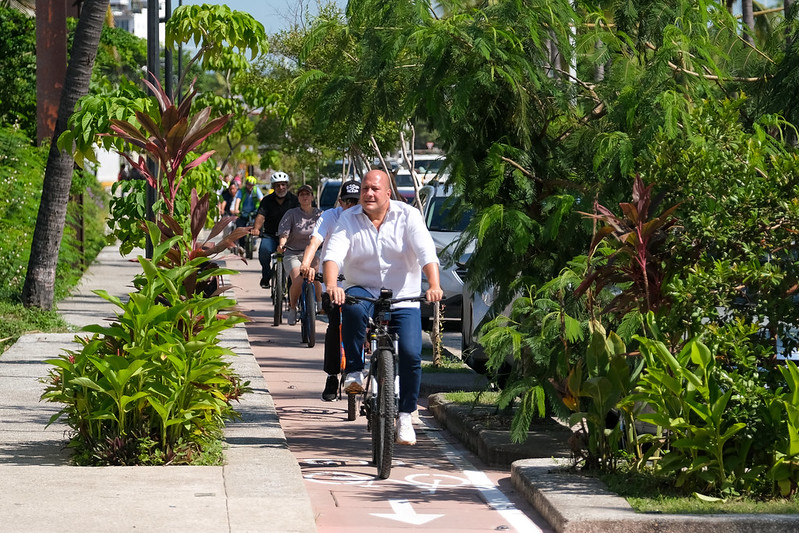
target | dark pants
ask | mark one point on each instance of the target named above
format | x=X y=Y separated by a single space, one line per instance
x=240 y=223
x=265 y=250
x=332 y=364
x=407 y=323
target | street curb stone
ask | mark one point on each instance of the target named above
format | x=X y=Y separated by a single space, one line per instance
x=494 y=447
x=572 y=503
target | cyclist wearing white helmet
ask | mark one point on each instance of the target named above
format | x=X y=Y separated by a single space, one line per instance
x=271 y=210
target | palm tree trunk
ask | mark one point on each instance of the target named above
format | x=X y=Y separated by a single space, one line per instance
x=40 y=278
x=748 y=16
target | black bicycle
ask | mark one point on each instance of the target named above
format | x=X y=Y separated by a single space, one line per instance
x=278 y=285
x=380 y=397
x=306 y=310
x=249 y=239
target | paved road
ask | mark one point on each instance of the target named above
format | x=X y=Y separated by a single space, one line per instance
x=436 y=485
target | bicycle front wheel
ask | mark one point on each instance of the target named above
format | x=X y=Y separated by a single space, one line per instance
x=277 y=292
x=384 y=414
x=309 y=318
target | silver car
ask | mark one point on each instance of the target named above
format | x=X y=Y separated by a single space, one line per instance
x=437 y=200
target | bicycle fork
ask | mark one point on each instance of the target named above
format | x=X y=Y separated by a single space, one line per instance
x=371 y=384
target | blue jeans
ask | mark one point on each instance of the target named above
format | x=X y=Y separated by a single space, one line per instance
x=265 y=250
x=405 y=321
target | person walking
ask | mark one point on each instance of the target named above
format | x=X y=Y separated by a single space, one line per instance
x=270 y=212
x=349 y=195
x=383 y=243
x=294 y=233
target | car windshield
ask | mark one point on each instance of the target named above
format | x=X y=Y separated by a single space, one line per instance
x=430 y=166
x=329 y=194
x=439 y=219
x=404 y=180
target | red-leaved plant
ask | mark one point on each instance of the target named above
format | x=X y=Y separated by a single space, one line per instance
x=640 y=240
x=168 y=140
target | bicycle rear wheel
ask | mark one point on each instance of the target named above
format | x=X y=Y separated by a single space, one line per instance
x=384 y=414
x=309 y=317
x=249 y=244
x=352 y=406
x=277 y=292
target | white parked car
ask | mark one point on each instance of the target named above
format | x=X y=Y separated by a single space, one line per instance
x=404 y=181
x=428 y=167
x=437 y=199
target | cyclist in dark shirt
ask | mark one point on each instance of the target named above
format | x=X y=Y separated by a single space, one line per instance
x=271 y=210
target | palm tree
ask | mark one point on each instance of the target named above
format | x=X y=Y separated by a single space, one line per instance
x=40 y=279
x=748 y=15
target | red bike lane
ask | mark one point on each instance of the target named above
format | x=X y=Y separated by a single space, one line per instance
x=436 y=485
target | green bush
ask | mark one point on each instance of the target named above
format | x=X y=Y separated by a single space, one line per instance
x=153 y=386
x=21 y=177
x=22 y=169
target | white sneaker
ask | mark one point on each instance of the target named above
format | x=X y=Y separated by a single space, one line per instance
x=292 y=316
x=405 y=433
x=353 y=383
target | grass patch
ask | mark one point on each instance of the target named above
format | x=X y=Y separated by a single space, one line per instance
x=17 y=320
x=473 y=398
x=647 y=493
x=447 y=365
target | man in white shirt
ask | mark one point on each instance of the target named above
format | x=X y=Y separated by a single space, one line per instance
x=383 y=243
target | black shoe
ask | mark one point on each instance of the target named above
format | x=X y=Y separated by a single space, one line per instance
x=264 y=283
x=331 y=389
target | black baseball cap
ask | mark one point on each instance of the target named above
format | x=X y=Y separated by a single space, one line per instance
x=350 y=190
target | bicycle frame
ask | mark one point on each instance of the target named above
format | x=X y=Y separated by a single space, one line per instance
x=376 y=406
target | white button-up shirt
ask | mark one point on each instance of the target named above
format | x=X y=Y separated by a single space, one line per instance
x=392 y=257
x=325 y=225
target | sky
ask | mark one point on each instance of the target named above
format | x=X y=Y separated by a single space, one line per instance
x=275 y=15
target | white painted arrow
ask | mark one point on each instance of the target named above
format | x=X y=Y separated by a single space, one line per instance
x=403 y=512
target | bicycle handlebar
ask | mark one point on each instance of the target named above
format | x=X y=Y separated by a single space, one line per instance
x=351 y=299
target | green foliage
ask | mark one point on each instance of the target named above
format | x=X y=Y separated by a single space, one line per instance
x=219 y=31
x=739 y=215
x=691 y=399
x=128 y=204
x=225 y=38
x=22 y=172
x=600 y=382
x=18 y=71
x=168 y=134
x=120 y=56
x=785 y=470
x=155 y=375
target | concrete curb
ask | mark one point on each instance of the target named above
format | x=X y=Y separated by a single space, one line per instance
x=259 y=488
x=492 y=446
x=576 y=504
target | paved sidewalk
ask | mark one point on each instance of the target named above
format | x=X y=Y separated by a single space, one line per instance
x=260 y=487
